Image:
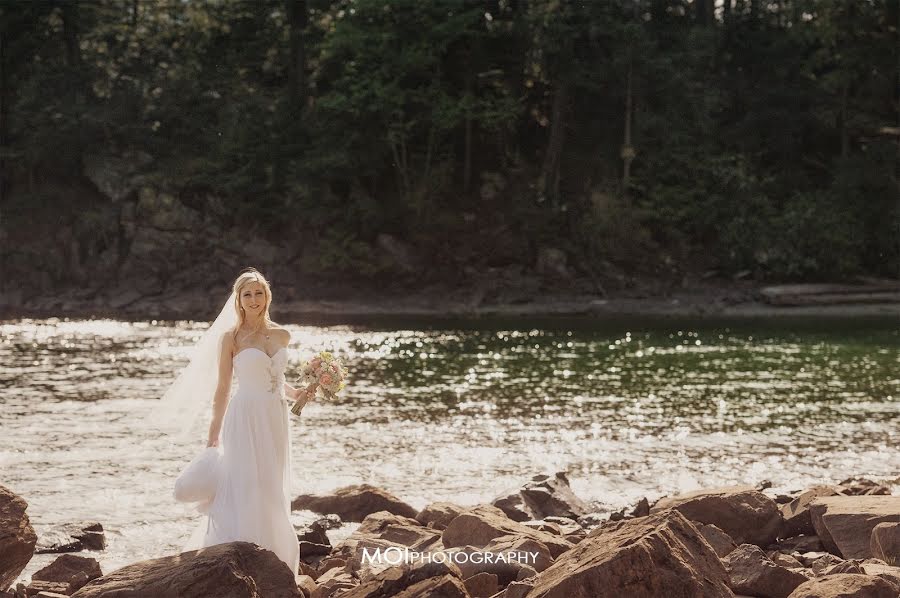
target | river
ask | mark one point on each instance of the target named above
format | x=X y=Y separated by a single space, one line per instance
x=460 y=411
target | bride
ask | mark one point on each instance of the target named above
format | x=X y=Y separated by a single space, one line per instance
x=248 y=434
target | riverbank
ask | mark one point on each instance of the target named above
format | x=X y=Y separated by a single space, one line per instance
x=539 y=539
x=333 y=304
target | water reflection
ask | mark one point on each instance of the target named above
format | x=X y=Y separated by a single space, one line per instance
x=459 y=412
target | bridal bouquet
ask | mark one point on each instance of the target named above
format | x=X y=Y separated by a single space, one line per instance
x=327 y=371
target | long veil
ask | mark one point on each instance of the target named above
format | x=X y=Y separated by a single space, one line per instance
x=194 y=388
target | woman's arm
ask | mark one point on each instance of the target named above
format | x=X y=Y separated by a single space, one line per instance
x=223 y=390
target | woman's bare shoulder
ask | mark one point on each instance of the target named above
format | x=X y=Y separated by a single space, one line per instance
x=227 y=340
x=283 y=334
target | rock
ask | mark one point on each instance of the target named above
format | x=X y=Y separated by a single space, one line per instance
x=17 y=537
x=551 y=262
x=69 y=569
x=884 y=542
x=641 y=509
x=517 y=589
x=785 y=560
x=745 y=514
x=515 y=544
x=881 y=569
x=543 y=496
x=846 y=586
x=314 y=532
x=506 y=570
x=232 y=570
x=824 y=562
x=566 y=525
x=403 y=255
x=354 y=503
x=513 y=506
x=845 y=567
x=438 y=514
x=719 y=540
x=751 y=572
x=390 y=533
x=436 y=587
x=73 y=537
x=799 y=544
x=333 y=581
x=394 y=580
x=306 y=584
x=45 y=594
x=50 y=587
x=845 y=523
x=662 y=554
x=482 y=585
x=591 y=520
x=329 y=563
x=544 y=526
x=480 y=525
x=311 y=549
x=862 y=487
x=796 y=513
x=330 y=521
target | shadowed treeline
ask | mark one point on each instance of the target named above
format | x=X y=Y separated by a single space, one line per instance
x=605 y=142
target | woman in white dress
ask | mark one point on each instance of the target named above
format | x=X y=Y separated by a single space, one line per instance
x=252 y=501
x=243 y=484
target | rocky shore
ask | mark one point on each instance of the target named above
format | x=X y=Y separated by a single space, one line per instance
x=539 y=540
x=295 y=304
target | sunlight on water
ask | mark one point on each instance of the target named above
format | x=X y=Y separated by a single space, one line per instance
x=458 y=413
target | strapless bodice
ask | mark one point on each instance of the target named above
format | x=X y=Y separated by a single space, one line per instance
x=258 y=374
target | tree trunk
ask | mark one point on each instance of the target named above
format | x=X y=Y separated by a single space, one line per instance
x=705 y=12
x=4 y=116
x=552 y=158
x=627 y=149
x=842 y=121
x=467 y=152
x=297 y=21
x=70 y=20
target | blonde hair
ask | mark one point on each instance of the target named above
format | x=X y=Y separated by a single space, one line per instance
x=247 y=276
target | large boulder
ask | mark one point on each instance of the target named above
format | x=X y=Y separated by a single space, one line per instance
x=394 y=580
x=844 y=524
x=439 y=514
x=436 y=587
x=380 y=539
x=659 y=555
x=752 y=573
x=481 y=524
x=857 y=486
x=72 y=570
x=354 y=503
x=742 y=512
x=17 y=537
x=847 y=585
x=719 y=540
x=543 y=496
x=796 y=513
x=884 y=543
x=232 y=570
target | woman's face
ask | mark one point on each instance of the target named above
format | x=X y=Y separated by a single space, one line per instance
x=253 y=299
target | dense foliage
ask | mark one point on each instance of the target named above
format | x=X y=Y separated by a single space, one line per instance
x=657 y=136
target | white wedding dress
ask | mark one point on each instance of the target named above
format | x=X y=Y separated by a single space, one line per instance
x=252 y=498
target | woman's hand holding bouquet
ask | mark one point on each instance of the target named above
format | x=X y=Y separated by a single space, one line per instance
x=323 y=372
